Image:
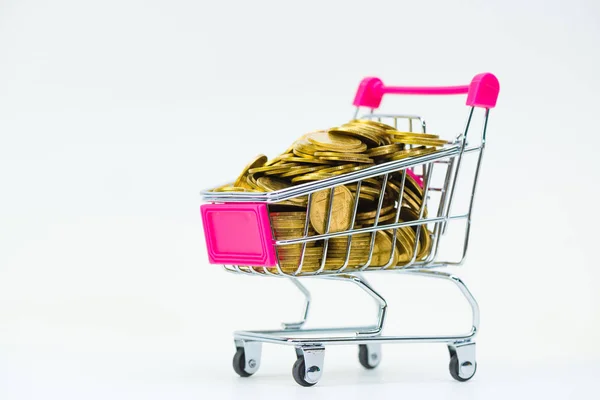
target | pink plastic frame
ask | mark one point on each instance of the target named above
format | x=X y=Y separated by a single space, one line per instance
x=240 y=233
x=482 y=92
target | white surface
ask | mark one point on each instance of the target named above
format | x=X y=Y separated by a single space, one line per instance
x=113 y=115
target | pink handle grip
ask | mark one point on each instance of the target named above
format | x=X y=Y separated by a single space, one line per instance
x=482 y=92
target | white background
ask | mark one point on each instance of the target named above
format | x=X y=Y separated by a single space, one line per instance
x=115 y=114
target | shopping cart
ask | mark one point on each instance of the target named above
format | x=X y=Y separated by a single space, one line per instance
x=239 y=235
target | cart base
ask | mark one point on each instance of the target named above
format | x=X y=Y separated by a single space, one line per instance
x=308 y=368
x=310 y=343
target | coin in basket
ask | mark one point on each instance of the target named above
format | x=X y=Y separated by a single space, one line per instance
x=347 y=157
x=271 y=184
x=424 y=235
x=371 y=214
x=380 y=125
x=331 y=141
x=258 y=161
x=369 y=129
x=368 y=138
x=419 y=141
x=341 y=209
x=382 y=250
x=414 y=186
x=405 y=245
x=270 y=168
x=414 y=152
x=288 y=215
x=308 y=160
x=301 y=170
x=291 y=224
x=338 y=169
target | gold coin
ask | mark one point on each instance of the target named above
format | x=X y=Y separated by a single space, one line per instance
x=385 y=150
x=300 y=215
x=299 y=153
x=304 y=146
x=412 y=153
x=371 y=214
x=227 y=188
x=382 y=218
x=337 y=168
x=419 y=141
x=280 y=225
x=339 y=154
x=301 y=170
x=382 y=250
x=291 y=250
x=303 y=159
x=365 y=189
x=330 y=140
x=405 y=245
x=372 y=182
x=348 y=170
x=370 y=130
x=424 y=236
x=271 y=184
x=394 y=132
x=347 y=159
x=281 y=168
x=270 y=168
x=251 y=181
x=281 y=157
x=258 y=161
x=414 y=199
x=359 y=149
x=369 y=138
x=341 y=209
x=366 y=196
x=328 y=173
x=311 y=177
x=412 y=183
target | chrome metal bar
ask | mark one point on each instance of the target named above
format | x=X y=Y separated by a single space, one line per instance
x=458 y=164
x=382 y=304
x=369 y=229
x=390 y=262
x=473 y=189
x=352 y=223
x=376 y=223
x=442 y=212
x=374 y=336
x=337 y=340
x=327 y=228
x=305 y=235
x=307 y=300
x=428 y=172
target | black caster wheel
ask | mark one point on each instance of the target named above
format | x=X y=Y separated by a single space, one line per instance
x=239 y=363
x=455 y=368
x=299 y=373
x=363 y=357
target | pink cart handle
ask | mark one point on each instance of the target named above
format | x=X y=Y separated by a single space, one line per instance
x=482 y=92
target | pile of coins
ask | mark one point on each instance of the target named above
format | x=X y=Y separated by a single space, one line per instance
x=324 y=154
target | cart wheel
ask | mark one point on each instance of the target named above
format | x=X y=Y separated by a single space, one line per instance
x=299 y=373
x=455 y=369
x=239 y=363
x=369 y=356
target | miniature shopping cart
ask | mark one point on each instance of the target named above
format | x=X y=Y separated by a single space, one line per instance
x=239 y=235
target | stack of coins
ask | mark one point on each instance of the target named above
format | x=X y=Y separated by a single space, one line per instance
x=323 y=154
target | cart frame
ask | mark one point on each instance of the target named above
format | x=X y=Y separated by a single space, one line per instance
x=310 y=343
